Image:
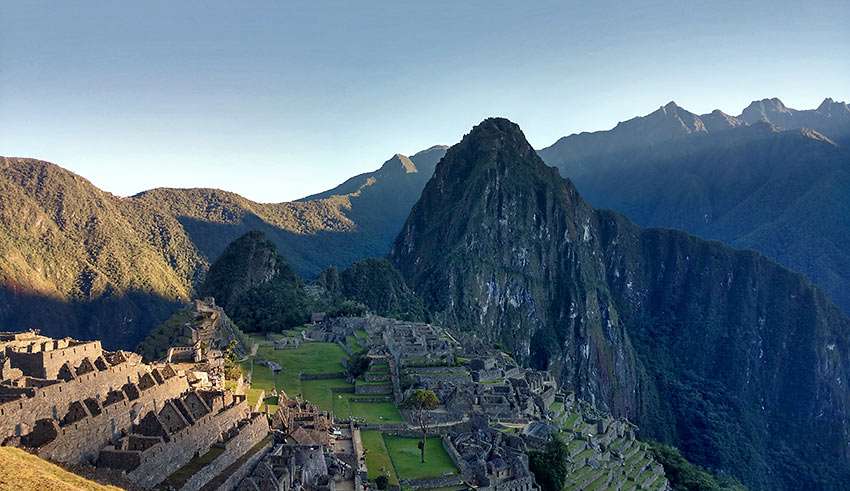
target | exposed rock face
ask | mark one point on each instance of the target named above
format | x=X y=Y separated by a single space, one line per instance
x=738 y=361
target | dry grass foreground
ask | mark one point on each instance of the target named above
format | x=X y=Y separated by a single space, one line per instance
x=20 y=470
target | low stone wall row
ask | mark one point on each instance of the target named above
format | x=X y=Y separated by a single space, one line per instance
x=434 y=483
x=373 y=389
x=322 y=376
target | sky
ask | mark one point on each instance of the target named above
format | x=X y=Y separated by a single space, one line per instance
x=278 y=100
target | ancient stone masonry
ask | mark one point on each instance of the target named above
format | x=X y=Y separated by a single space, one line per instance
x=165 y=440
x=74 y=403
x=490 y=459
x=81 y=372
x=306 y=455
x=603 y=451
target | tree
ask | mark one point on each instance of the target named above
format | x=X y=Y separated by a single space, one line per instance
x=420 y=402
x=550 y=465
x=358 y=365
x=232 y=370
x=382 y=482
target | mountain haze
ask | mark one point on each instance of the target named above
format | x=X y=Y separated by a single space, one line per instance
x=739 y=362
x=773 y=179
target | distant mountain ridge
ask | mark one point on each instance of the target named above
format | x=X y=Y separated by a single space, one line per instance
x=670 y=122
x=774 y=179
x=78 y=261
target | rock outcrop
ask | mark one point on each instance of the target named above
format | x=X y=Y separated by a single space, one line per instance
x=738 y=361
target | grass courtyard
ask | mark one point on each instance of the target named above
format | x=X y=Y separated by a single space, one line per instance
x=404 y=454
x=400 y=457
x=347 y=405
x=312 y=358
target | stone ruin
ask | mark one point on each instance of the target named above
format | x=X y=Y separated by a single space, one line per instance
x=488 y=458
x=74 y=403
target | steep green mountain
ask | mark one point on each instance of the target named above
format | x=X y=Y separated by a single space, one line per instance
x=77 y=261
x=256 y=287
x=376 y=284
x=739 y=362
x=785 y=193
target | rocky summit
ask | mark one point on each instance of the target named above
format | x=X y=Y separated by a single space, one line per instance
x=739 y=362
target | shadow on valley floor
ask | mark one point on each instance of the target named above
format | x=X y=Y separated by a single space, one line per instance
x=308 y=254
x=119 y=321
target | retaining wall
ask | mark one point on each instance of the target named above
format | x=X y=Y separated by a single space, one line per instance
x=160 y=461
x=81 y=441
x=249 y=435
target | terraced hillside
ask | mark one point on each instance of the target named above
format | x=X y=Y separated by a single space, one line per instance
x=604 y=454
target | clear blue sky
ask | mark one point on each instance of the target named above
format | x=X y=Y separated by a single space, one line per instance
x=277 y=100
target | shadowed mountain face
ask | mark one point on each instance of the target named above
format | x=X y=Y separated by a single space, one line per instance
x=77 y=261
x=763 y=180
x=738 y=361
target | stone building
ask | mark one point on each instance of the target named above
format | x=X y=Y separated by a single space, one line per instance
x=73 y=402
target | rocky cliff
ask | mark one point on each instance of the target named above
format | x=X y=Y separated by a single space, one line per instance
x=739 y=362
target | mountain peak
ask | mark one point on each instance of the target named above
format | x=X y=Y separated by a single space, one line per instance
x=494 y=138
x=830 y=106
x=399 y=162
x=671 y=107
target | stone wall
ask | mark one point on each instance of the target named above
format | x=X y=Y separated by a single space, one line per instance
x=79 y=442
x=434 y=483
x=322 y=376
x=19 y=416
x=373 y=389
x=160 y=461
x=249 y=435
x=43 y=360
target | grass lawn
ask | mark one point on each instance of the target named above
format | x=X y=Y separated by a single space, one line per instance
x=319 y=392
x=405 y=457
x=377 y=457
x=314 y=358
x=346 y=406
x=307 y=358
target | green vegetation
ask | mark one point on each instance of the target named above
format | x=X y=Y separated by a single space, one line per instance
x=309 y=358
x=170 y=333
x=689 y=477
x=420 y=402
x=378 y=460
x=405 y=455
x=550 y=466
x=328 y=394
x=376 y=284
x=347 y=405
x=256 y=286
